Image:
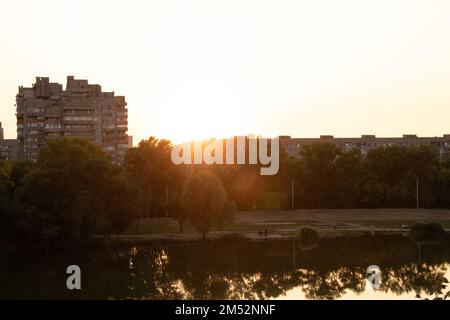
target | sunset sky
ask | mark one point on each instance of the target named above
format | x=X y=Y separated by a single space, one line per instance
x=196 y=69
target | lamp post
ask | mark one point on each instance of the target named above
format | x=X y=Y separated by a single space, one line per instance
x=417 y=193
x=292 y=194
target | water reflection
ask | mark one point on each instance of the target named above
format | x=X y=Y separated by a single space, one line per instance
x=334 y=269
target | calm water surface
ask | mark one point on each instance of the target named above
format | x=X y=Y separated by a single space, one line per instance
x=335 y=269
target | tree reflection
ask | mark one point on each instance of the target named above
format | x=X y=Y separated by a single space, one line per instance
x=221 y=272
x=245 y=270
x=421 y=279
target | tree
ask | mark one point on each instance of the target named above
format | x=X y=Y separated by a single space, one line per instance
x=47 y=214
x=151 y=168
x=423 y=167
x=19 y=168
x=120 y=199
x=317 y=174
x=5 y=184
x=390 y=175
x=349 y=172
x=5 y=200
x=66 y=195
x=205 y=200
x=441 y=186
x=177 y=211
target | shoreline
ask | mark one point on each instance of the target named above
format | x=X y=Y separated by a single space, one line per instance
x=329 y=223
x=234 y=237
x=280 y=226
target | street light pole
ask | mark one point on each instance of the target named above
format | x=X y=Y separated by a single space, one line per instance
x=292 y=194
x=417 y=193
x=167 y=200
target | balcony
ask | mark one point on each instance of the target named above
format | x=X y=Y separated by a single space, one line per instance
x=79 y=129
x=35 y=111
x=78 y=103
x=52 y=127
x=79 y=119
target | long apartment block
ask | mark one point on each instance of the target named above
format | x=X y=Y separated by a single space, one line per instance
x=46 y=110
x=292 y=146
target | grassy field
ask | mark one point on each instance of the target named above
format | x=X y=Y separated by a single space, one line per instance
x=286 y=223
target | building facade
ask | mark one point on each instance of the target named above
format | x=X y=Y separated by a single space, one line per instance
x=46 y=110
x=8 y=147
x=292 y=146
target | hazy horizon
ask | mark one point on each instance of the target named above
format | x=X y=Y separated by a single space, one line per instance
x=197 y=69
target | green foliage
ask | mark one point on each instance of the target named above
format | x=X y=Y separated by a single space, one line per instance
x=441 y=186
x=317 y=175
x=5 y=183
x=177 y=211
x=329 y=177
x=274 y=200
x=65 y=196
x=391 y=173
x=205 y=200
x=48 y=213
x=151 y=168
x=120 y=196
x=324 y=176
x=5 y=202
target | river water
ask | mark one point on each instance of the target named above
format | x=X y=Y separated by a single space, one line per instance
x=333 y=269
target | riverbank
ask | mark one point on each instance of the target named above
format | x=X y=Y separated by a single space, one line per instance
x=279 y=225
x=270 y=225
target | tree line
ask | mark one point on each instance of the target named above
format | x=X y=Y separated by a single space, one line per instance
x=73 y=191
x=323 y=175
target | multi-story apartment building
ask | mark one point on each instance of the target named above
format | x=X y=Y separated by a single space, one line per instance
x=45 y=111
x=8 y=147
x=292 y=146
